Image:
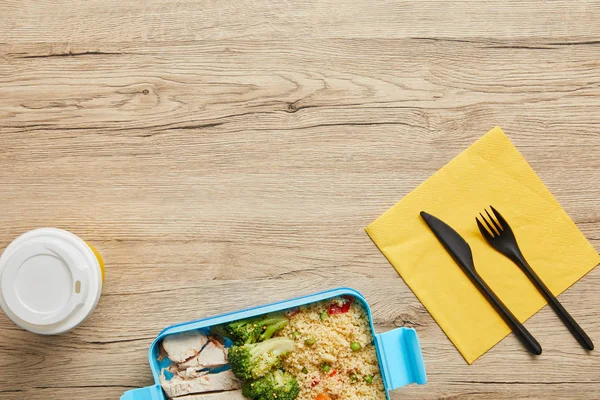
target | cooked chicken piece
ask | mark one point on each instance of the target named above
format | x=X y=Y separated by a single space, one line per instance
x=173 y=368
x=222 y=381
x=192 y=373
x=212 y=355
x=183 y=346
x=162 y=354
x=231 y=395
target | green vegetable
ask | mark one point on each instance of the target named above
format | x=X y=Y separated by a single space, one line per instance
x=355 y=346
x=272 y=324
x=254 y=360
x=369 y=379
x=244 y=331
x=219 y=330
x=324 y=315
x=325 y=367
x=295 y=335
x=310 y=341
x=354 y=378
x=256 y=329
x=275 y=385
x=304 y=370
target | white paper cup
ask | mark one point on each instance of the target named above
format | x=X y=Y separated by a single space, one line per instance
x=50 y=281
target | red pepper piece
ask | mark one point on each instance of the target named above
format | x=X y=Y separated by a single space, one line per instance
x=335 y=308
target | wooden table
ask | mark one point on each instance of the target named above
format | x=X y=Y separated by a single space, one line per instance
x=225 y=154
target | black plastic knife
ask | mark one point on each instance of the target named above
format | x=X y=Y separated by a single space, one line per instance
x=461 y=253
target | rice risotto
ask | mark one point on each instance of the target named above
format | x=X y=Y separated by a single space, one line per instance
x=334 y=353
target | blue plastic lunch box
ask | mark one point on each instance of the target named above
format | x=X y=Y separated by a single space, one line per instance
x=398 y=350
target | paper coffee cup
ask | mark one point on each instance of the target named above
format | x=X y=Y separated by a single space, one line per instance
x=50 y=281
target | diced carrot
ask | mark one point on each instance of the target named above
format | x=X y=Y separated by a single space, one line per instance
x=322 y=397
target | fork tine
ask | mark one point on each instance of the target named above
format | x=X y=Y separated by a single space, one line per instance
x=500 y=219
x=483 y=231
x=492 y=230
x=497 y=225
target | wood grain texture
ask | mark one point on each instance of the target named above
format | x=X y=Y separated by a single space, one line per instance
x=235 y=150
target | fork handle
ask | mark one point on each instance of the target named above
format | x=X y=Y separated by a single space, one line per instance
x=583 y=339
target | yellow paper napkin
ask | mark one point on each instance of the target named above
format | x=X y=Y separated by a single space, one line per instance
x=491 y=171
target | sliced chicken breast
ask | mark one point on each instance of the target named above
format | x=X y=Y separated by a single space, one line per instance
x=185 y=345
x=222 y=381
x=212 y=355
x=190 y=373
x=231 y=395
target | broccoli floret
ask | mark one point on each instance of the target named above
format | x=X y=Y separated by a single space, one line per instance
x=272 y=324
x=254 y=360
x=244 y=331
x=257 y=329
x=275 y=385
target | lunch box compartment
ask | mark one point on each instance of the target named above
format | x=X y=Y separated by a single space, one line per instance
x=398 y=350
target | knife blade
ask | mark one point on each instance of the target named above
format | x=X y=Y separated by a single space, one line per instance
x=461 y=252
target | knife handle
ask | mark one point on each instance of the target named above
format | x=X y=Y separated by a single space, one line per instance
x=517 y=327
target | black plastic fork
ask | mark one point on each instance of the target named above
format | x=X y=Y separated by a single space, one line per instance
x=501 y=237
